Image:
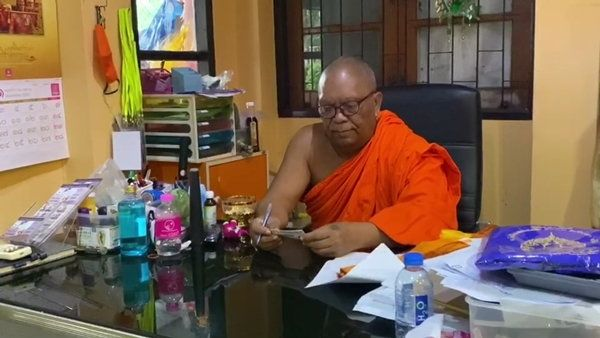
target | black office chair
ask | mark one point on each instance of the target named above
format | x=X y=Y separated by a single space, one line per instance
x=449 y=115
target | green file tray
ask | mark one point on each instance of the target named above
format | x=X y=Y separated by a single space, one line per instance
x=170 y=140
x=215 y=137
x=214 y=125
x=215 y=149
x=167 y=128
x=166 y=102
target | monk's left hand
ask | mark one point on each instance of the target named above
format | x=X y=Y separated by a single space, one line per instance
x=338 y=239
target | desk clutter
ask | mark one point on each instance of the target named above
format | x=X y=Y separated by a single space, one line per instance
x=135 y=216
x=513 y=289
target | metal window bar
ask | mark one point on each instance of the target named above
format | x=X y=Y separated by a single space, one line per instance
x=428 y=39
x=341 y=29
x=362 y=30
x=502 y=103
x=477 y=51
x=452 y=53
x=310 y=62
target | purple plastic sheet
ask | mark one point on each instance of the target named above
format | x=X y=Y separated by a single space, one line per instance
x=545 y=248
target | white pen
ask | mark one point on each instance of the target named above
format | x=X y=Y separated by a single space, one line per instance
x=265 y=221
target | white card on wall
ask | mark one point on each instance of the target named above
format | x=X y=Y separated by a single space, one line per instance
x=127 y=149
x=32 y=122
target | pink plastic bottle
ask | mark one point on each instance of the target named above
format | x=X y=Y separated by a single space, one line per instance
x=167 y=228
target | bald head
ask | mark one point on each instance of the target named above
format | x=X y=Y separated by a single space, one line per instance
x=346 y=68
x=349 y=104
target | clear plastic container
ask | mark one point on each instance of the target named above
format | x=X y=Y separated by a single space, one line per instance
x=97 y=234
x=491 y=320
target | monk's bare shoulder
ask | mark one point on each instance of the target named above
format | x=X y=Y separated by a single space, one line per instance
x=303 y=141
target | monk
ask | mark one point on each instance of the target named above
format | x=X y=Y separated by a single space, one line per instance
x=365 y=177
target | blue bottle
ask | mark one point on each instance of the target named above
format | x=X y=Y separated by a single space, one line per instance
x=414 y=294
x=133 y=225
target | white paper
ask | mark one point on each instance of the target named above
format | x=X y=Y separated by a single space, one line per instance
x=379 y=265
x=457 y=258
x=127 y=149
x=379 y=302
x=430 y=328
x=32 y=122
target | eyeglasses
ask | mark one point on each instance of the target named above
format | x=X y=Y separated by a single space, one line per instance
x=348 y=108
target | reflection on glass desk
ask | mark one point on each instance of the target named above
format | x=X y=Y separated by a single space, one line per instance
x=192 y=295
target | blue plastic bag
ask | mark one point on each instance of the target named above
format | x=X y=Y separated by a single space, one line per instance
x=544 y=248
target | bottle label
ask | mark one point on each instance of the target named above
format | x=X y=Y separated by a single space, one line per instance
x=98 y=237
x=166 y=228
x=421 y=309
x=210 y=216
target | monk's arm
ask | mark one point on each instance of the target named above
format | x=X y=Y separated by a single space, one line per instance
x=291 y=180
x=425 y=204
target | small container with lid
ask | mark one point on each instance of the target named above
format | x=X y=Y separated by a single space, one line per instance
x=211 y=228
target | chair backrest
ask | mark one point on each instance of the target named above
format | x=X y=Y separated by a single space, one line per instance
x=449 y=115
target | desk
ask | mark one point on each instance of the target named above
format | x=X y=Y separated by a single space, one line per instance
x=87 y=296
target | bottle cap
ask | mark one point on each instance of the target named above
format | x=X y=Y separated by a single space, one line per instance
x=210 y=194
x=167 y=198
x=413 y=259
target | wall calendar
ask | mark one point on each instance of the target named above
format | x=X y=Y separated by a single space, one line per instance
x=32 y=122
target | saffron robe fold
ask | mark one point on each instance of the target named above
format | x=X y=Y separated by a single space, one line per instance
x=407 y=187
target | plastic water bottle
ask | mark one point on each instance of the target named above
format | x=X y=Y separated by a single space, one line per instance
x=414 y=294
x=133 y=225
x=167 y=227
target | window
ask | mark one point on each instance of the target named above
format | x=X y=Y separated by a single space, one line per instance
x=178 y=32
x=405 y=43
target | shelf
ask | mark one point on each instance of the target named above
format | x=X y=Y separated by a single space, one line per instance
x=197 y=110
x=157 y=121
x=156 y=133
x=161 y=158
x=162 y=146
x=166 y=109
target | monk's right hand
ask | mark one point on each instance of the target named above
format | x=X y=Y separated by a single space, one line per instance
x=265 y=237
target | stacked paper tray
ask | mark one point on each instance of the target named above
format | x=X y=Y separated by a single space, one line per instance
x=208 y=124
x=578 y=286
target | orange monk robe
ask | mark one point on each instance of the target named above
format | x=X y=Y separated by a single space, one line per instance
x=407 y=187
